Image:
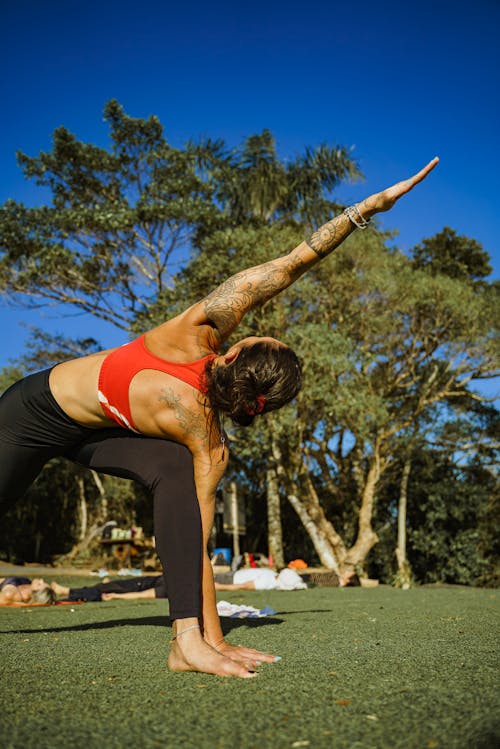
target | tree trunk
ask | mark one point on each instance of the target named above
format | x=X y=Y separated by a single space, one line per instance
x=327 y=543
x=403 y=577
x=38 y=543
x=88 y=533
x=321 y=544
x=82 y=509
x=102 y=512
x=366 y=538
x=274 y=527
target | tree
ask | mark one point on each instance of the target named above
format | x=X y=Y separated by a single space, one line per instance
x=452 y=255
x=447 y=505
x=452 y=510
x=409 y=345
x=105 y=243
x=9 y=375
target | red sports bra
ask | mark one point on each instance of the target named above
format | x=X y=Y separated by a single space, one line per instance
x=119 y=367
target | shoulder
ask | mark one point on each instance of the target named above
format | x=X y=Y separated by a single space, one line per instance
x=190 y=331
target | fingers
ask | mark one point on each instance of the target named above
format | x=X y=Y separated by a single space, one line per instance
x=255 y=656
x=386 y=199
x=430 y=166
x=422 y=174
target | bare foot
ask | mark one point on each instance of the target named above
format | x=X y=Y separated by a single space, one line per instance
x=190 y=652
x=59 y=590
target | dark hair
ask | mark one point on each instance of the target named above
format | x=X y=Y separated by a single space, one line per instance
x=263 y=377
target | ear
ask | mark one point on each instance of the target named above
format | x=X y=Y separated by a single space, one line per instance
x=231 y=355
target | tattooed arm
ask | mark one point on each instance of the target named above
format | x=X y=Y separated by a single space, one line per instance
x=225 y=307
x=194 y=428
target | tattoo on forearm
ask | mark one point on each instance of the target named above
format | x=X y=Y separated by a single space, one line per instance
x=329 y=236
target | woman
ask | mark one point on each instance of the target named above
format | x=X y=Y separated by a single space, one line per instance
x=168 y=391
x=23 y=591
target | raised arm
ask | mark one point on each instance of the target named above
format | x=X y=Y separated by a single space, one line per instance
x=225 y=307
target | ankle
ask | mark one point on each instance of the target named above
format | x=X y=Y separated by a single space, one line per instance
x=180 y=632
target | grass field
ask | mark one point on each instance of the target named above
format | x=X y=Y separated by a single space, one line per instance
x=361 y=668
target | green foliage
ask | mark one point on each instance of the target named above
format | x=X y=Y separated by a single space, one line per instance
x=445 y=506
x=9 y=375
x=252 y=184
x=384 y=345
x=104 y=245
x=452 y=255
x=452 y=518
x=45 y=523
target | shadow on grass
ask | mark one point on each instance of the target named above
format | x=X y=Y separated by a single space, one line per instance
x=228 y=625
x=305 y=611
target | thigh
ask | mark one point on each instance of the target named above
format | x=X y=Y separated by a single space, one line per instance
x=119 y=452
x=33 y=429
x=19 y=467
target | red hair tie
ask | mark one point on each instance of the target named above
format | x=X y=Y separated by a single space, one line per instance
x=261 y=402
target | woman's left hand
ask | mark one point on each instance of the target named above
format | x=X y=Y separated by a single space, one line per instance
x=384 y=201
x=246 y=655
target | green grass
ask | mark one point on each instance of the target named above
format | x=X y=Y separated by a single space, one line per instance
x=361 y=668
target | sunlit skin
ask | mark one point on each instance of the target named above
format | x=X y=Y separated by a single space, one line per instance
x=163 y=406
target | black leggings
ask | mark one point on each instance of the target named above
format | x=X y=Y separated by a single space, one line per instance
x=94 y=593
x=34 y=429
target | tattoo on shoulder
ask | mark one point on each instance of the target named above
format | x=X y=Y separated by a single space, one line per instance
x=191 y=423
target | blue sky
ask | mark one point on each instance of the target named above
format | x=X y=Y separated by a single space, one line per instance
x=398 y=82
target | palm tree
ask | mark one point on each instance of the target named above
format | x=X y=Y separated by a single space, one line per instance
x=251 y=183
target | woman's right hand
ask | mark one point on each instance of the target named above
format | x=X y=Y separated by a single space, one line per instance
x=246 y=655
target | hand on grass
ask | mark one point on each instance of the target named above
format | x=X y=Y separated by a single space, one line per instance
x=245 y=655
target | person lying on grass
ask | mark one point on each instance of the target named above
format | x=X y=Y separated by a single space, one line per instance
x=153 y=411
x=23 y=591
x=16 y=590
x=244 y=579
